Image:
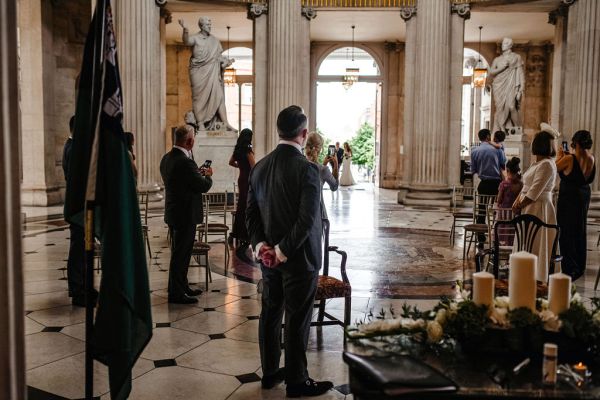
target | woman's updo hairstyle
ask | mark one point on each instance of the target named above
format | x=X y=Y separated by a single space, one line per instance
x=513 y=165
x=583 y=139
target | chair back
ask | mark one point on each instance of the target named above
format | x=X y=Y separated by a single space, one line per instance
x=507 y=233
x=326 y=226
x=526 y=227
x=460 y=196
x=481 y=206
x=143 y=204
x=216 y=203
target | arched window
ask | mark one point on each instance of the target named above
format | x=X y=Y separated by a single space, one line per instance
x=340 y=59
x=239 y=96
x=476 y=102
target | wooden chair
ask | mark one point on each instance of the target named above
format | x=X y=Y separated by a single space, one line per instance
x=329 y=287
x=143 y=204
x=526 y=228
x=215 y=204
x=505 y=237
x=199 y=251
x=460 y=212
x=480 y=222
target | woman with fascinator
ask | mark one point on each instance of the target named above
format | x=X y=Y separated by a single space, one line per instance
x=577 y=169
x=243 y=159
x=536 y=197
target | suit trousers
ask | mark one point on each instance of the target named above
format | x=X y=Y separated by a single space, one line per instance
x=489 y=187
x=292 y=291
x=182 y=243
x=76 y=261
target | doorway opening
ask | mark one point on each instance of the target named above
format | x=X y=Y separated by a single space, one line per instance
x=349 y=108
x=239 y=94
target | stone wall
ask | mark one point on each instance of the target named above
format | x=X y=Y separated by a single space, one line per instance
x=52 y=36
x=179 y=92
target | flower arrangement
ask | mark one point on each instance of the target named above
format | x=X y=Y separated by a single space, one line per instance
x=496 y=328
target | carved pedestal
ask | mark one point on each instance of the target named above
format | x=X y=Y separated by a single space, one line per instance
x=218 y=147
x=518 y=146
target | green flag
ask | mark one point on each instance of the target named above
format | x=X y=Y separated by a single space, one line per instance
x=101 y=176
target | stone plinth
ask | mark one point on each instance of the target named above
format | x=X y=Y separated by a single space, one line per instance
x=218 y=147
x=518 y=146
x=423 y=196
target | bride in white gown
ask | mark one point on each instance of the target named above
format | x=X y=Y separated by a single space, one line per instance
x=347 y=178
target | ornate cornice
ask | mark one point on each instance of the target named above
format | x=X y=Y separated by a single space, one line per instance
x=463 y=10
x=309 y=13
x=407 y=13
x=561 y=11
x=395 y=47
x=255 y=10
x=161 y=3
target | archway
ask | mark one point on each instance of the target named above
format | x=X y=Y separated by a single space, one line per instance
x=351 y=111
x=476 y=102
x=239 y=95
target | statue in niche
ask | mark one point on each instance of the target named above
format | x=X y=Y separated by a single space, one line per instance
x=207 y=65
x=508 y=86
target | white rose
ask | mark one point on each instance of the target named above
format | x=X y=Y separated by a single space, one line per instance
x=434 y=332
x=550 y=320
x=545 y=304
x=465 y=294
x=441 y=316
x=501 y=302
x=576 y=298
x=499 y=316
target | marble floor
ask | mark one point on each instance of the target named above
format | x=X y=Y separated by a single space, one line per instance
x=209 y=350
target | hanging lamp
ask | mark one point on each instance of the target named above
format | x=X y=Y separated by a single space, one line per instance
x=480 y=71
x=352 y=72
x=229 y=75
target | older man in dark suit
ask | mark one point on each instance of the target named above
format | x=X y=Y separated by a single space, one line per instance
x=284 y=222
x=184 y=185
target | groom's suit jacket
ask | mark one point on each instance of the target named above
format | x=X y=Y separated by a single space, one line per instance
x=284 y=207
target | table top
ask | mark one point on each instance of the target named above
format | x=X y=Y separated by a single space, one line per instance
x=484 y=376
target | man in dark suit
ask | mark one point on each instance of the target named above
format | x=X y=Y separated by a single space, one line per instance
x=339 y=152
x=184 y=185
x=283 y=217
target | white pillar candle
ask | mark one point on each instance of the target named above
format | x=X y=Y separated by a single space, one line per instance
x=483 y=288
x=559 y=293
x=521 y=280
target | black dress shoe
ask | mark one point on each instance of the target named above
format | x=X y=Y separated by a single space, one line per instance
x=269 y=382
x=193 y=292
x=185 y=299
x=308 y=388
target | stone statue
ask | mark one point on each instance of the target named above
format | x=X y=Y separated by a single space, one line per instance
x=508 y=86
x=207 y=66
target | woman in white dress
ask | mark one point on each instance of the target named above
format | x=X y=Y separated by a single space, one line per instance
x=536 y=198
x=347 y=178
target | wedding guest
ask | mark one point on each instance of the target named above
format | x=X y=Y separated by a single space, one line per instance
x=243 y=159
x=577 y=171
x=314 y=145
x=507 y=194
x=536 y=198
x=130 y=140
x=347 y=178
x=339 y=153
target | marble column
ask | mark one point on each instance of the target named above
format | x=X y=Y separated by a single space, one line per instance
x=431 y=114
x=137 y=25
x=558 y=18
x=410 y=53
x=460 y=13
x=582 y=101
x=258 y=14
x=12 y=354
x=287 y=82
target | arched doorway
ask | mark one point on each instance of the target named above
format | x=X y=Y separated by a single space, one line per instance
x=476 y=102
x=239 y=95
x=348 y=106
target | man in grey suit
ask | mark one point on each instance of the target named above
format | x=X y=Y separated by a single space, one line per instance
x=283 y=217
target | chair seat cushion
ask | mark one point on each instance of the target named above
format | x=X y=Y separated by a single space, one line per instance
x=483 y=228
x=463 y=213
x=330 y=287
x=215 y=228
x=200 y=247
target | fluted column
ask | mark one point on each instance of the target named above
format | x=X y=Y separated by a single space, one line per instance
x=286 y=49
x=12 y=354
x=583 y=98
x=410 y=54
x=138 y=46
x=258 y=14
x=460 y=13
x=558 y=18
x=432 y=88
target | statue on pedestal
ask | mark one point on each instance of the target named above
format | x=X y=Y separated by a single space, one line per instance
x=207 y=66
x=508 y=86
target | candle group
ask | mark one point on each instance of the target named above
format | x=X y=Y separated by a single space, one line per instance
x=559 y=293
x=483 y=288
x=521 y=280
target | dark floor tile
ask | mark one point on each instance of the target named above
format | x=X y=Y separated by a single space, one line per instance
x=169 y=362
x=248 y=378
x=163 y=324
x=217 y=336
x=37 y=394
x=52 y=329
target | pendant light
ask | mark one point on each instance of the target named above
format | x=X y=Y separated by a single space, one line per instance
x=352 y=71
x=229 y=77
x=480 y=71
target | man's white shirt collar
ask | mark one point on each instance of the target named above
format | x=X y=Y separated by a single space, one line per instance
x=291 y=143
x=185 y=151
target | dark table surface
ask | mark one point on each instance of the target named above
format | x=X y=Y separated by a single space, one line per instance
x=480 y=376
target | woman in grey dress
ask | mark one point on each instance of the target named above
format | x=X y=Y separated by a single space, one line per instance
x=314 y=145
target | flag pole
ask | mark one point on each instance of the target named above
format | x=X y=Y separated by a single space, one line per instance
x=89 y=306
